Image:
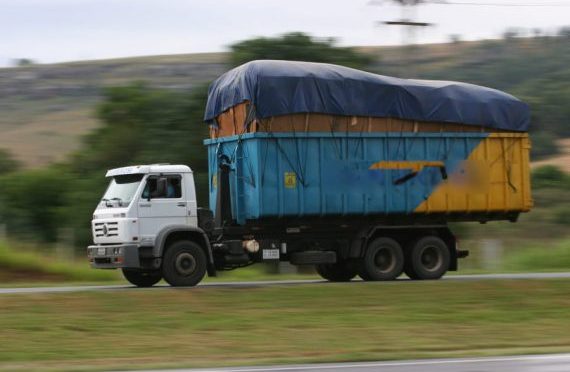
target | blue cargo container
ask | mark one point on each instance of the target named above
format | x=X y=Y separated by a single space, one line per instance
x=324 y=174
x=356 y=173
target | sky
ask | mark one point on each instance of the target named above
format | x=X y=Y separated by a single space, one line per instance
x=49 y=31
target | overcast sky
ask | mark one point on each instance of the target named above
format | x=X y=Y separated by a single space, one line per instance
x=65 y=30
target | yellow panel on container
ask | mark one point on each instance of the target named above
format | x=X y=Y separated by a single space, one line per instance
x=494 y=178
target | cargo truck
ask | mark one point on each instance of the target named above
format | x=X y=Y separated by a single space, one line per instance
x=315 y=164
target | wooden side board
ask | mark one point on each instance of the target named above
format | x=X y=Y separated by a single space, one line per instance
x=233 y=122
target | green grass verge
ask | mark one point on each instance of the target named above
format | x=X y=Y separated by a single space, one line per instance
x=555 y=258
x=282 y=324
x=20 y=264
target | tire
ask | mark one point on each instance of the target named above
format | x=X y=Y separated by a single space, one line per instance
x=429 y=258
x=142 y=278
x=337 y=272
x=184 y=264
x=383 y=260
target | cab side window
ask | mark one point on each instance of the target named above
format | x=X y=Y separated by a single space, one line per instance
x=173 y=188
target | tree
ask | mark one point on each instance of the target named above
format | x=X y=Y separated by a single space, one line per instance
x=564 y=32
x=455 y=38
x=140 y=125
x=24 y=62
x=7 y=163
x=511 y=33
x=297 y=46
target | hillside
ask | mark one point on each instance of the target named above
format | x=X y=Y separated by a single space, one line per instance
x=45 y=109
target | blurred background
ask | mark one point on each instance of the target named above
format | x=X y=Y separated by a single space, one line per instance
x=86 y=86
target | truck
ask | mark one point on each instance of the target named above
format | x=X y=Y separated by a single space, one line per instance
x=354 y=173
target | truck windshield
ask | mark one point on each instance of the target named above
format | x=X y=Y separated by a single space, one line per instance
x=122 y=189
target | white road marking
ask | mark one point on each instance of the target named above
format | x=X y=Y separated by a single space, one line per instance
x=526 y=358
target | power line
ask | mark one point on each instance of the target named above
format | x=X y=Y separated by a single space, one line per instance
x=468 y=3
x=444 y=2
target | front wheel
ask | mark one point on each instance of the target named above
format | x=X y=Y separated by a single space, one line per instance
x=142 y=278
x=184 y=264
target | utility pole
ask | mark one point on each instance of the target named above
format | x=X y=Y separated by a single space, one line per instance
x=410 y=26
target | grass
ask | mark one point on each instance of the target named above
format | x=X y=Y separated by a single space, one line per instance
x=282 y=324
x=22 y=265
x=262 y=272
x=556 y=258
x=19 y=264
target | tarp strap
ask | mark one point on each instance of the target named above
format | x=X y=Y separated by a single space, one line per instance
x=336 y=146
x=295 y=139
x=245 y=155
x=297 y=173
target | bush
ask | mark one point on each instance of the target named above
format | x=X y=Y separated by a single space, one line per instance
x=541 y=258
x=7 y=163
x=562 y=215
x=543 y=145
x=30 y=202
x=549 y=176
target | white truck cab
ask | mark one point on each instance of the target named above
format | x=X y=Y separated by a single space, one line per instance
x=142 y=206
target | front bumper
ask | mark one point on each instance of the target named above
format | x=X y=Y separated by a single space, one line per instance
x=114 y=256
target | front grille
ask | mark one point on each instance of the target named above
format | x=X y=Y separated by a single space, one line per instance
x=106 y=229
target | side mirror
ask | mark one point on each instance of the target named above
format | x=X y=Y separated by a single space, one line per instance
x=161 y=187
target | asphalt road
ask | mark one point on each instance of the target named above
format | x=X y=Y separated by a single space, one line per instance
x=275 y=283
x=530 y=363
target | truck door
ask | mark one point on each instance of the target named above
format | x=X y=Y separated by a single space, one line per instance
x=158 y=211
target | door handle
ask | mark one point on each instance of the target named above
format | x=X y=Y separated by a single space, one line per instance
x=182 y=204
x=144 y=205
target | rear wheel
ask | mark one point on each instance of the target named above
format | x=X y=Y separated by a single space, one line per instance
x=338 y=272
x=184 y=264
x=142 y=278
x=429 y=258
x=383 y=260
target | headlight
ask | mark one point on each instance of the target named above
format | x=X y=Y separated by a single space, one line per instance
x=118 y=251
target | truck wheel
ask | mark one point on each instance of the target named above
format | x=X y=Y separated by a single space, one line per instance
x=383 y=260
x=429 y=258
x=337 y=272
x=142 y=278
x=184 y=264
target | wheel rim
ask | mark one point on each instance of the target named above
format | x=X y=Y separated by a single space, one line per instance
x=185 y=264
x=431 y=258
x=384 y=260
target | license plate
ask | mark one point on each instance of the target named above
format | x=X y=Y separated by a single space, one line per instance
x=101 y=251
x=271 y=254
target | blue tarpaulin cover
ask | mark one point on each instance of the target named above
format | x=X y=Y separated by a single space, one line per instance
x=287 y=87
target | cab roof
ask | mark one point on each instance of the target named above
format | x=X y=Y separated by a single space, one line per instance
x=147 y=169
